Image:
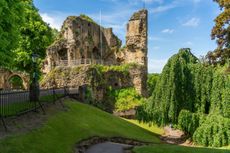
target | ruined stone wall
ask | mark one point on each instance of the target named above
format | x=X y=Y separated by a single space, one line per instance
x=80 y=39
x=6 y=74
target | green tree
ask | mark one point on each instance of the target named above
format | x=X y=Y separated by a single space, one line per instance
x=9 y=28
x=35 y=36
x=192 y=96
x=221 y=32
x=152 y=81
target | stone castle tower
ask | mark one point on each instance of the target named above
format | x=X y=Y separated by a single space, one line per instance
x=136 y=49
x=137 y=38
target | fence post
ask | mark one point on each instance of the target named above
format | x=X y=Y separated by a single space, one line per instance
x=3 y=122
x=65 y=91
x=54 y=95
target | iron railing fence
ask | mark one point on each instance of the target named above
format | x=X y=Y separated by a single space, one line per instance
x=16 y=102
x=87 y=61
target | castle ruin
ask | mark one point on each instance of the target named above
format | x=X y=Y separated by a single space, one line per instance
x=83 y=42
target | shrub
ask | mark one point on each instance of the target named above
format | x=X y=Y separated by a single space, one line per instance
x=215 y=131
x=188 y=122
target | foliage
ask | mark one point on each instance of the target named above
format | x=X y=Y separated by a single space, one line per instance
x=173 y=90
x=122 y=99
x=221 y=32
x=152 y=81
x=35 y=36
x=87 y=18
x=186 y=92
x=118 y=68
x=126 y=99
x=9 y=25
x=188 y=122
x=166 y=148
x=215 y=131
x=220 y=97
x=80 y=122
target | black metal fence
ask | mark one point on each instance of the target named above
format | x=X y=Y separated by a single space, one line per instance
x=15 y=102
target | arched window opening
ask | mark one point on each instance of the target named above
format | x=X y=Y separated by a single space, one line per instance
x=16 y=82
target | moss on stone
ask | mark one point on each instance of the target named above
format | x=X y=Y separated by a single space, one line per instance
x=87 y=18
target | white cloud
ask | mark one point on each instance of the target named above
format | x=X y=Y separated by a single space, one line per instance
x=156 y=65
x=188 y=43
x=54 y=21
x=164 y=8
x=169 y=31
x=116 y=19
x=193 y=22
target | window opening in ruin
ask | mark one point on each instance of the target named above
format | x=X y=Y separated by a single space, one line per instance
x=15 y=82
x=96 y=53
x=63 y=54
x=116 y=84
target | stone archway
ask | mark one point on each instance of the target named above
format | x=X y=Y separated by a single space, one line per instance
x=6 y=75
x=25 y=81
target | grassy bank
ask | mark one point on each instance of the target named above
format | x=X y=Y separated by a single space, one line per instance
x=64 y=129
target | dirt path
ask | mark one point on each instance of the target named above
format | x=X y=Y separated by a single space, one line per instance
x=173 y=136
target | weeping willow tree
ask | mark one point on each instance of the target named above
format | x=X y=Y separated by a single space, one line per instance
x=187 y=95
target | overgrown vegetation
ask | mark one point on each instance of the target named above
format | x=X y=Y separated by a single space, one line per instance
x=125 y=99
x=188 y=94
x=87 y=18
x=152 y=81
x=117 y=98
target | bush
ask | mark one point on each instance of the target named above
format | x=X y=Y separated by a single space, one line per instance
x=215 y=131
x=126 y=99
x=152 y=81
x=188 y=122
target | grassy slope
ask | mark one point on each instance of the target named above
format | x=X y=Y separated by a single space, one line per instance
x=151 y=128
x=63 y=130
x=164 y=148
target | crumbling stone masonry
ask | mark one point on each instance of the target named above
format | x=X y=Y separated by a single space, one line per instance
x=6 y=74
x=82 y=42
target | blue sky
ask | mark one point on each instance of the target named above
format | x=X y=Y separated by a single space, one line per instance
x=173 y=24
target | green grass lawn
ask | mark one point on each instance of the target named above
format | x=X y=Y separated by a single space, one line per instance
x=165 y=148
x=64 y=129
x=151 y=128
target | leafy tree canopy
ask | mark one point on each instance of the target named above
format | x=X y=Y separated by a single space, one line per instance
x=221 y=32
x=35 y=36
x=10 y=22
x=152 y=81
